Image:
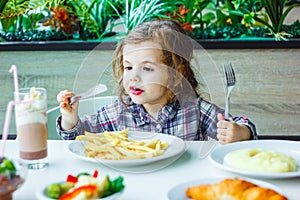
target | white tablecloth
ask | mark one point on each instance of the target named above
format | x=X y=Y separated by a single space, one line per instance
x=152 y=181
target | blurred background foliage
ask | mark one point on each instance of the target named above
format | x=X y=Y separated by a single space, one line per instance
x=46 y=20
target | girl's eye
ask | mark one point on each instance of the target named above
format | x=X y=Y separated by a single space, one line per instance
x=148 y=69
x=127 y=68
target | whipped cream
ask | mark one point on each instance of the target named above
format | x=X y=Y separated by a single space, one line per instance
x=33 y=109
x=34 y=100
x=31 y=117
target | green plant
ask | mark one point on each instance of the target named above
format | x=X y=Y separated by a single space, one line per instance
x=189 y=13
x=94 y=15
x=204 y=19
x=93 y=19
x=178 y=12
x=236 y=12
x=63 y=21
x=250 y=14
x=277 y=13
x=134 y=12
x=19 y=15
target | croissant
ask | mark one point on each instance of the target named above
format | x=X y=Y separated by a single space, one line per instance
x=235 y=189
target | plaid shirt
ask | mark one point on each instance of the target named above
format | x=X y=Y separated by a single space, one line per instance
x=193 y=121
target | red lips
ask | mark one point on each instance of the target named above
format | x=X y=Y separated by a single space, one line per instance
x=135 y=90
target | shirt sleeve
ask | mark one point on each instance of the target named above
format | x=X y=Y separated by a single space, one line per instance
x=69 y=134
x=105 y=119
x=249 y=124
x=89 y=123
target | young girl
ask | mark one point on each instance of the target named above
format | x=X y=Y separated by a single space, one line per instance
x=157 y=92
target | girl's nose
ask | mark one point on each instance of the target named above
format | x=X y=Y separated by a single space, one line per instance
x=135 y=75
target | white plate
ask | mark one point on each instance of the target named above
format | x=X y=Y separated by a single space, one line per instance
x=290 y=148
x=41 y=196
x=178 y=192
x=176 y=147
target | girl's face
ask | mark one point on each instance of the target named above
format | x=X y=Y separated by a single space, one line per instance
x=145 y=76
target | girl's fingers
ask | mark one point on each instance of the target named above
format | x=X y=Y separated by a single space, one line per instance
x=63 y=96
x=223 y=135
x=63 y=105
x=222 y=124
x=221 y=138
x=67 y=95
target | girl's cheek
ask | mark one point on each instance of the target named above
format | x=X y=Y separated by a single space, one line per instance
x=158 y=78
x=125 y=83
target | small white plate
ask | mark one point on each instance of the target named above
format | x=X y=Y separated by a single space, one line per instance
x=41 y=196
x=178 y=192
x=176 y=147
x=290 y=148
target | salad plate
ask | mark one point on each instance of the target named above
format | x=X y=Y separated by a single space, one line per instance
x=40 y=195
x=289 y=148
x=176 y=147
x=83 y=186
x=12 y=176
x=178 y=191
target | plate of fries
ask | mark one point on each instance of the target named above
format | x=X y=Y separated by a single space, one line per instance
x=126 y=148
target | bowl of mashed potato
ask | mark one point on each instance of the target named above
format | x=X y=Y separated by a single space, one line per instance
x=260 y=160
x=271 y=159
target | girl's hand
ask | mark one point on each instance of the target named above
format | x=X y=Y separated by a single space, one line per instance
x=229 y=131
x=68 y=112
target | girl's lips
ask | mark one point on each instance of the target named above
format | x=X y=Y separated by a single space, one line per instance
x=136 y=91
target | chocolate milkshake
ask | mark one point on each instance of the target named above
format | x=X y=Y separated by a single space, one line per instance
x=31 y=122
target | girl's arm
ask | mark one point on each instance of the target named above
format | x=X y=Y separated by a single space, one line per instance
x=214 y=125
x=105 y=119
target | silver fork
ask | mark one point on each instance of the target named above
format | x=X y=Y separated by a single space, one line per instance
x=208 y=146
x=230 y=83
x=97 y=89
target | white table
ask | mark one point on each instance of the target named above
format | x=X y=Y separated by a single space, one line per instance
x=139 y=184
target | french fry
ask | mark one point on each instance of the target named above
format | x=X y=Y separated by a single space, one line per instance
x=117 y=146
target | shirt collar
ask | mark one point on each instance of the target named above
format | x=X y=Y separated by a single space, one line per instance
x=141 y=116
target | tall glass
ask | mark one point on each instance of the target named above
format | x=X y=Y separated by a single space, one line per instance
x=31 y=123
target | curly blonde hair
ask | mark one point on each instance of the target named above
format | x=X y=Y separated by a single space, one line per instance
x=177 y=52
